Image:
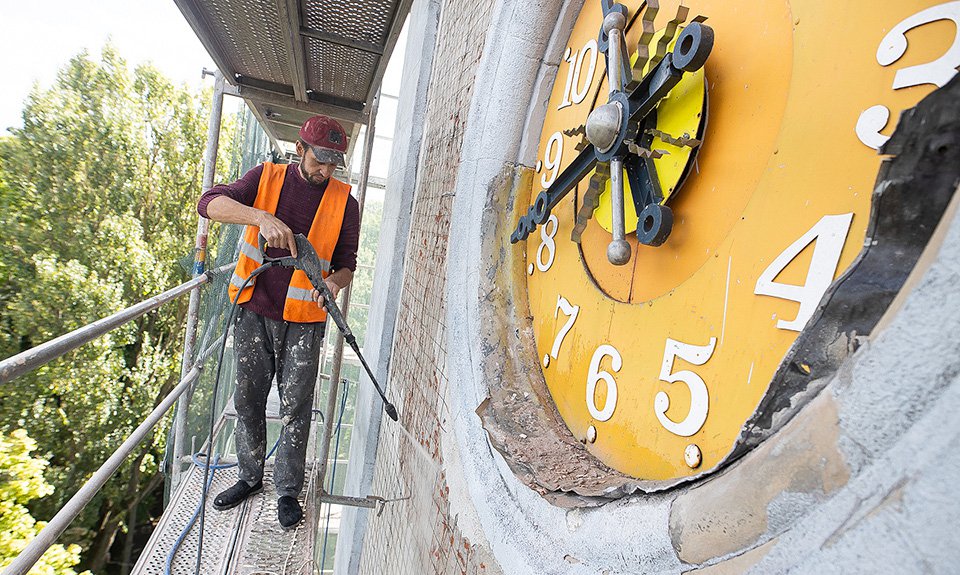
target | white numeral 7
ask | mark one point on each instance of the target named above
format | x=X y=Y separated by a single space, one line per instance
x=699 y=398
x=572 y=311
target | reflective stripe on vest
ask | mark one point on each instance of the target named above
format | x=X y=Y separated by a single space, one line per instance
x=323 y=235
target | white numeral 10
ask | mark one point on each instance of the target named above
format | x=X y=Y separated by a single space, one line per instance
x=595 y=375
x=830 y=233
x=699 y=398
x=572 y=93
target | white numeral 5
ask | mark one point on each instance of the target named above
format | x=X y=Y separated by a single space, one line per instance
x=830 y=233
x=699 y=399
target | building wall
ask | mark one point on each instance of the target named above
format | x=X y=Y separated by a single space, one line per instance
x=858 y=482
x=418 y=533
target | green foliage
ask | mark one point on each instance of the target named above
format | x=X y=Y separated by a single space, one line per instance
x=366 y=259
x=21 y=480
x=97 y=195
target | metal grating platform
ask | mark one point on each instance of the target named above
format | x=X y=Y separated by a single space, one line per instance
x=246 y=540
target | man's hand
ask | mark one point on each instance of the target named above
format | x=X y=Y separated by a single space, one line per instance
x=334 y=290
x=277 y=233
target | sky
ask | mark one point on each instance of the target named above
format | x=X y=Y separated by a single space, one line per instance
x=38 y=39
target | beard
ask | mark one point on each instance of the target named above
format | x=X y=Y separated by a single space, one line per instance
x=308 y=178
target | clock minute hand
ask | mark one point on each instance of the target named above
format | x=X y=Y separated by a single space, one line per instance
x=539 y=212
x=693 y=48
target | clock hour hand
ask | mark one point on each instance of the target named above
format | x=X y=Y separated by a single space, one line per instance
x=539 y=212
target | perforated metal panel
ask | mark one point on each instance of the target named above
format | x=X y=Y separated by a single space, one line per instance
x=220 y=531
x=251 y=38
x=313 y=56
x=266 y=548
x=241 y=541
x=339 y=70
x=363 y=20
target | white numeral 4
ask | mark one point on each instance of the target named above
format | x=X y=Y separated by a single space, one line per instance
x=699 y=398
x=830 y=233
x=571 y=311
x=595 y=375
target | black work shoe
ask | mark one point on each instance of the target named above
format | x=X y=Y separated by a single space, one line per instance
x=289 y=512
x=230 y=498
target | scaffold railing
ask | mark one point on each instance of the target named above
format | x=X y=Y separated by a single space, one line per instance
x=42 y=354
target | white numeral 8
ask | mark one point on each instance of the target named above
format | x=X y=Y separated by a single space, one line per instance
x=547 y=243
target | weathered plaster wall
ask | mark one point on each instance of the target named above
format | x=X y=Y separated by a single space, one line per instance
x=417 y=533
x=859 y=482
x=388 y=275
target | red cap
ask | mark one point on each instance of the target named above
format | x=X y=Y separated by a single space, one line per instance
x=325 y=135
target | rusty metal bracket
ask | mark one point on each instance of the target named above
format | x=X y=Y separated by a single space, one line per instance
x=581 y=132
x=670 y=33
x=648 y=29
x=638 y=150
x=683 y=141
x=591 y=199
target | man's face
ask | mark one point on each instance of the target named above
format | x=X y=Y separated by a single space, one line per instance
x=313 y=171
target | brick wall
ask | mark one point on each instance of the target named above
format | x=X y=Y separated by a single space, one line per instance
x=418 y=533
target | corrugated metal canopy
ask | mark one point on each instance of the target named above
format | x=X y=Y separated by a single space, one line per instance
x=291 y=59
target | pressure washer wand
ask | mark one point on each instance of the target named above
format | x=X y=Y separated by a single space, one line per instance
x=309 y=263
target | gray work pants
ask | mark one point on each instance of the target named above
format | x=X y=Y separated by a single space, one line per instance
x=265 y=347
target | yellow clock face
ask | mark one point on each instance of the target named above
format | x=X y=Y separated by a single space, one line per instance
x=656 y=365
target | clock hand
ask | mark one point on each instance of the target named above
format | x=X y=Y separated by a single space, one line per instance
x=539 y=212
x=618 y=250
x=620 y=113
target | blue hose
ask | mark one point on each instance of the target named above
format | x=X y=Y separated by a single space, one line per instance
x=214 y=467
x=333 y=469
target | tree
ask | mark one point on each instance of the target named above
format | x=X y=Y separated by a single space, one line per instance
x=21 y=480
x=97 y=194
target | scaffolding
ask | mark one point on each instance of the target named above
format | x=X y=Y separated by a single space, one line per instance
x=246 y=539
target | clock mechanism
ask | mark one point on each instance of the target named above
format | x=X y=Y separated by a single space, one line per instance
x=701 y=189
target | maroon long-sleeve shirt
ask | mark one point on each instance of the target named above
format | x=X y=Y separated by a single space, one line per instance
x=296 y=207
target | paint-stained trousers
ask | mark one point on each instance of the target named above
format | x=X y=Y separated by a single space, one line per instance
x=291 y=351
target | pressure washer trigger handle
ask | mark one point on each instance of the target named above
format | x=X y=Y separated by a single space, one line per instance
x=286 y=261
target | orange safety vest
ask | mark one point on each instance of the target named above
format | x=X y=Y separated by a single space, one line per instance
x=324 y=232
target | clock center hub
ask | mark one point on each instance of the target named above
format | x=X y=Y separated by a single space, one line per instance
x=603 y=125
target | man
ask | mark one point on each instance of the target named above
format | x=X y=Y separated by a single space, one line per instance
x=279 y=326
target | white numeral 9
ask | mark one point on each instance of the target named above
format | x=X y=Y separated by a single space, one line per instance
x=552 y=155
x=699 y=398
x=830 y=233
x=595 y=375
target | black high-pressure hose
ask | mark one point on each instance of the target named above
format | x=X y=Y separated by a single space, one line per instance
x=213 y=407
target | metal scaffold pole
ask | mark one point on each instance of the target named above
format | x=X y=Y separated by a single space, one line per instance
x=329 y=419
x=200 y=258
